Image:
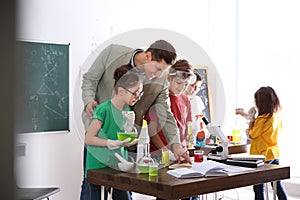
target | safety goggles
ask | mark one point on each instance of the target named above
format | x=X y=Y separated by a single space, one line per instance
x=137 y=94
x=184 y=76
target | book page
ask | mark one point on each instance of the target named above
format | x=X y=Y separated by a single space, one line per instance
x=206 y=166
x=232 y=169
x=184 y=173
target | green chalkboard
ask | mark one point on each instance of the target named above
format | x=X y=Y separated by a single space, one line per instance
x=42 y=87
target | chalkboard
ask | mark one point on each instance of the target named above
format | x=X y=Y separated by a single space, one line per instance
x=42 y=87
x=204 y=91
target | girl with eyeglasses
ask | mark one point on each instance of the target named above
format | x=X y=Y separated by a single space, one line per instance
x=101 y=136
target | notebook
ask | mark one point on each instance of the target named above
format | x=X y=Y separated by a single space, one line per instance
x=245 y=163
x=244 y=156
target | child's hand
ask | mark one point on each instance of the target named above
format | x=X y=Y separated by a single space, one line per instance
x=241 y=111
x=124 y=165
x=134 y=142
x=116 y=144
x=251 y=114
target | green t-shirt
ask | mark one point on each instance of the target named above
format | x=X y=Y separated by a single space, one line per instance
x=112 y=122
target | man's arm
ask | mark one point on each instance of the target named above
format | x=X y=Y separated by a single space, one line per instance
x=166 y=118
x=156 y=140
x=92 y=77
x=169 y=125
x=97 y=84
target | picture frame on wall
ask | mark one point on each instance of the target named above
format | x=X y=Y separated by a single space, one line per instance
x=204 y=92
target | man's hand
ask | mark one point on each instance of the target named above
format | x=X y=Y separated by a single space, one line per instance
x=89 y=109
x=180 y=152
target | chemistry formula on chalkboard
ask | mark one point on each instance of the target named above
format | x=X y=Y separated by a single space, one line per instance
x=42 y=87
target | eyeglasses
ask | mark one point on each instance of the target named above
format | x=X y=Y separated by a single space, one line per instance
x=137 y=94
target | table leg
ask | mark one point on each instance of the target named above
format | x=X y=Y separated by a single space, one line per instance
x=266 y=191
x=216 y=196
x=102 y=191
x=203 y=197
x=274 y=190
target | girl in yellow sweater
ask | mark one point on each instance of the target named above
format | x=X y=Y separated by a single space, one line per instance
x=263 y=131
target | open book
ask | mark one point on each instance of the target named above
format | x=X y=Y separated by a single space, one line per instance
x=206 y=168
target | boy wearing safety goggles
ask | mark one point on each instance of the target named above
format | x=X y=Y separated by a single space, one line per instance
x=179 y=77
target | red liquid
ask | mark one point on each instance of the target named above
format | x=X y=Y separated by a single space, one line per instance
x=198 y=157
x=229 y=138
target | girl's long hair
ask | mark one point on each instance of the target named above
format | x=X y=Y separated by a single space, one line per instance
x=267 y=101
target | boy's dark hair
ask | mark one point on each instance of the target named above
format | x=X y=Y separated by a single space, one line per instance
x=162 y=50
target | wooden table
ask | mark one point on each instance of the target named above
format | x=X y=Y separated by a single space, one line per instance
x=168 y=187
x=35 y=193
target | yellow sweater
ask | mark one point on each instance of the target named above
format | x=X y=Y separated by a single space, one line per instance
x=264 y=135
